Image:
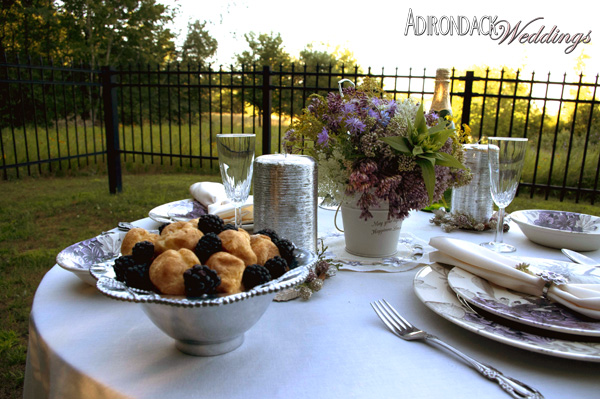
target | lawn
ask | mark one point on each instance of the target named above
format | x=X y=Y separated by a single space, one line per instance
x=39 y=217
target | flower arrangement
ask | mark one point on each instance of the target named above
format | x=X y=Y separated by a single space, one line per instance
x=378 y=149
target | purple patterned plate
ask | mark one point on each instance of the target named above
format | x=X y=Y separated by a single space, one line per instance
x=559 y=229
x=527 y=309
x=431 y=287
x=177 y=210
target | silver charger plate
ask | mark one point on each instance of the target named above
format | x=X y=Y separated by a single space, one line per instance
x=431 y=287
x=527 y=309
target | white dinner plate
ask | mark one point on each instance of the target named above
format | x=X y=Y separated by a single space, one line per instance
x=526 y=309
x=431 y=287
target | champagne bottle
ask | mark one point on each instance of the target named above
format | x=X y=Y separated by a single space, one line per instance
x=442 y=107
x=441 y=96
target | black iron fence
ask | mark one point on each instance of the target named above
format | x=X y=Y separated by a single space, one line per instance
x=56 y=117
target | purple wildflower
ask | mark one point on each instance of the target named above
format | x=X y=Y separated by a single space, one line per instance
x=431 y=118
x=355 y=125
x=323 y=138
x=348 y=108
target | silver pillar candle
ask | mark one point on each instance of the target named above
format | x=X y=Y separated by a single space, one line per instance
x=285 y=197
x=475 y=199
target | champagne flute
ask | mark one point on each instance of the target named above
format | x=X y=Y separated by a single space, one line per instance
x=506 y=156
x=236 y=159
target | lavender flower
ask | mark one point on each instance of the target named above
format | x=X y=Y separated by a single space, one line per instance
x=355 y=125
x=323 y=138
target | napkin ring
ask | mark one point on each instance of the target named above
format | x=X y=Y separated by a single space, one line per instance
x=550 y=278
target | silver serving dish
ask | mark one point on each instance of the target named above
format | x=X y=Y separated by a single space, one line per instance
x=210 y=325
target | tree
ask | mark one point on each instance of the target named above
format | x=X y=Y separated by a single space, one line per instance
x=111 y=32
x=199 y=45
x=337 y=64
x=30 y=28
x=265 y=50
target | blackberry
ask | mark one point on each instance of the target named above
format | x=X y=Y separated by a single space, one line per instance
x=286 y=250
x=138 y=276
x=229 y=226
x=200 y=280
x=269 y=233
x=209 y=244
x=161 y=227
x=122 y=263
x=210 y=224
x=143 y=252
x=276 y=266
x=255 y=275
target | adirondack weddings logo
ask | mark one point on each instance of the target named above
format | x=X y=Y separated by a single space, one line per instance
x=502 y=31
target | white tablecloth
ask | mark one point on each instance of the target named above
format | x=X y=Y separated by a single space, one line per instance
x=85 y=345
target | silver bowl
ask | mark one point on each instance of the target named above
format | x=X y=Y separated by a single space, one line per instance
x=205 y=326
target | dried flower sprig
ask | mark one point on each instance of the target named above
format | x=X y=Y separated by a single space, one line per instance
x=451 y=221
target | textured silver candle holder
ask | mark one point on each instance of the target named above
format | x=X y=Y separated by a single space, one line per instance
x=285 y=197
x=475 y=199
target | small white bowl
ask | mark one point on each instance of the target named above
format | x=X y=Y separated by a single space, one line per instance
x=560 y=229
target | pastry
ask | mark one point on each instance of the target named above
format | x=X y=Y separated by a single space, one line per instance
x=230 y=269
x=166 y=272
x=263 y=248
x=178 y=235
x=134 y=236
x=237 y=242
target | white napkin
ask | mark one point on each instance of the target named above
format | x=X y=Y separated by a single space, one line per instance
x=212 y=195
x=499 y=269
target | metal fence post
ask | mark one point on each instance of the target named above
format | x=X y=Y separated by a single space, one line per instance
x=111 y=123
x=468 y=96
x=266 y=106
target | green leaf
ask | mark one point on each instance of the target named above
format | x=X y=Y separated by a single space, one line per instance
x=442 y=136
x=398 y=143
x=420 y=124
x=428 y=172
x=417 y=150
x=444 y=159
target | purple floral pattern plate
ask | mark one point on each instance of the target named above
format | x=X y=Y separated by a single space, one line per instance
x=177 y=210
x=527 y=309
x=559 y=229
x=431 y=287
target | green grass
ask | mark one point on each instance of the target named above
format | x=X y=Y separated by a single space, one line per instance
x=40 y=217
x=31 y=144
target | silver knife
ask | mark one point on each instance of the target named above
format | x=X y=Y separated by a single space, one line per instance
x=580 y=258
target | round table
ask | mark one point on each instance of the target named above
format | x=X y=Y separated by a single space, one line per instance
x=85 y=345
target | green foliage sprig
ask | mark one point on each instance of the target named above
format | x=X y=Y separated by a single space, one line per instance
x=424 y=145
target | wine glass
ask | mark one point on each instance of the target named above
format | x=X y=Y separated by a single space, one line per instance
x=236 y=159
x=505 y=155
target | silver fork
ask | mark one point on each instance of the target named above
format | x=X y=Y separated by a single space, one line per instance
x=403 y=329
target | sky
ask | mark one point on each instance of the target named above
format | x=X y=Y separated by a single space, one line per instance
x=385 y=33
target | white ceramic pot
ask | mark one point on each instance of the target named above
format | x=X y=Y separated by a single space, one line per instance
x=374 y=238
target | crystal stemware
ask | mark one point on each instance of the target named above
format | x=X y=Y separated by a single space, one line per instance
x=236 y=159
x=506 y=156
